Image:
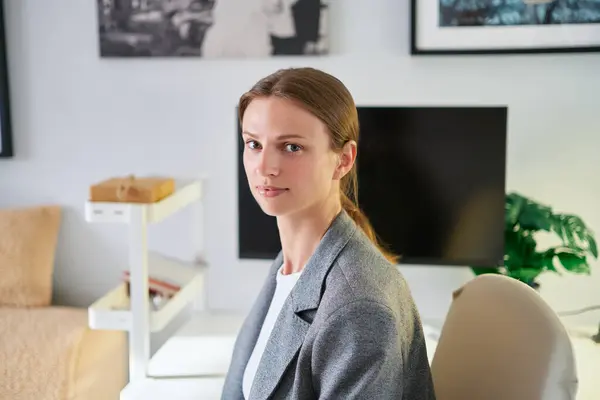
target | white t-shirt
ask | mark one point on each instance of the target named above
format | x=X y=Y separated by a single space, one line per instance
x=285 y=284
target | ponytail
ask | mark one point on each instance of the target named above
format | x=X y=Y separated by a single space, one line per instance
x=349 y=186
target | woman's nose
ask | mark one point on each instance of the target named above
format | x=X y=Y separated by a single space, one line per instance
x=268 y=164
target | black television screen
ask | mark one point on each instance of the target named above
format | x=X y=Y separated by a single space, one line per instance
x=431 y=181
x=6 y=143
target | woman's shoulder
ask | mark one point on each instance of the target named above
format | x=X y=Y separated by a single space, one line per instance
x=361 y=273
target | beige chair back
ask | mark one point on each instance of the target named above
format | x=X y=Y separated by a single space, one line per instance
x=502 y=341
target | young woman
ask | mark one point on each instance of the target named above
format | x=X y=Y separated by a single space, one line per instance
x=335 y=319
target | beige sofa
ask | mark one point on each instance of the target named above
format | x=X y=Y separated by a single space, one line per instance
x=48 y=352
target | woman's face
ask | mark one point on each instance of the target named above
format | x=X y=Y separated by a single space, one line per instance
x=288 y=159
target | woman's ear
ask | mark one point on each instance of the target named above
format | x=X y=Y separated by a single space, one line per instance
x=346 y=159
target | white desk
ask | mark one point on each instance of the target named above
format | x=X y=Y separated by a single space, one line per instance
x=184 y=358
x=175 y=388
x=587 y=356
x=192 y=364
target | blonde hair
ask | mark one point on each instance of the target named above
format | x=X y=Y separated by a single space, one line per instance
x=327 y=98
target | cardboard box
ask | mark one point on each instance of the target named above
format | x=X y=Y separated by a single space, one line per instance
x=132 y=189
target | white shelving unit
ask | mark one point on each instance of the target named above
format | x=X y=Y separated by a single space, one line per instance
x=134 y=314
x=113 y=310
x=185 y=194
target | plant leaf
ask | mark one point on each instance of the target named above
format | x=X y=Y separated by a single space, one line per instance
x=547 y=260
x=576 y=230
x=525 y=274
x=523 y=216
x=512 y=249
x=512 y=208
x=520 y=249
x=527 y=245
x=485 y=270
x=574 y=262
x=593 y=246
x=535 y=217
x=578 y=226
x=574 y=233
x=558 y=227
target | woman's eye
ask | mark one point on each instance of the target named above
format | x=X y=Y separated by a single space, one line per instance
x=252 y=144
x=292 y=148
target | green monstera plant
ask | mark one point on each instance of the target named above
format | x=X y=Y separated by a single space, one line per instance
x=522 y=258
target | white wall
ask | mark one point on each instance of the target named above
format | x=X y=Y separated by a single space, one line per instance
x=79 y=119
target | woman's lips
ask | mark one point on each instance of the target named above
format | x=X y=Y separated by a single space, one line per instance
x=270 y=191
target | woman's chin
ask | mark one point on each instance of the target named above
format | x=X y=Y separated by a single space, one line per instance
x=274 y=210
x=273 y=206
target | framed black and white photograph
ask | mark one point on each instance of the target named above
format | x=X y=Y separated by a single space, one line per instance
x=504 y=26
x=212 y=28
x=6 y=142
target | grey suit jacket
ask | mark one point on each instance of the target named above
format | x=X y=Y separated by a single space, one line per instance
x=348 y=330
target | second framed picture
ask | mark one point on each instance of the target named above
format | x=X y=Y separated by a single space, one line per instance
x=504 y=26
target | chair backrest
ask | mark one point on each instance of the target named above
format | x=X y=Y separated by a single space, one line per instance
x=502 y=341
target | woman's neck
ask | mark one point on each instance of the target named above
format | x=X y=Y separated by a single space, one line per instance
x=301 y=233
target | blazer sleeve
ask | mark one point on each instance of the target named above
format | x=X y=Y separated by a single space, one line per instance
x=358 y=355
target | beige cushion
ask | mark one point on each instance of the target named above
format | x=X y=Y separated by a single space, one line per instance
x=501 y=341
x=49 y=353
x=28 y=238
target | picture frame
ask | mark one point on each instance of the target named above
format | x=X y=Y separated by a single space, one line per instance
x=212 y=29
x=6 y=141
x=441 y=27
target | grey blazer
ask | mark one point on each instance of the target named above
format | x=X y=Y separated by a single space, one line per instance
x=348 y=330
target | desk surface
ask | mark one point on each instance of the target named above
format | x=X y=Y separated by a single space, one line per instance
x=587 y=357
x=586 y=351
x=175 y=388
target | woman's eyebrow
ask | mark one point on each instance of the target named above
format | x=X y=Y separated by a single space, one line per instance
x=280 y=137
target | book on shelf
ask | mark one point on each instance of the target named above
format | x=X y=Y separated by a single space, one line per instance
x=156 y=284
x=160 y=290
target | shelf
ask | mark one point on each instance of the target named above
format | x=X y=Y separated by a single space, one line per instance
x=202 y=347
x=209 y=388
x=110 y=312
x=185 y=194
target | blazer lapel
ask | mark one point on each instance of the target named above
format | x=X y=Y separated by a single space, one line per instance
x=285 y=341
x=249 y=333
x=290 y=328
